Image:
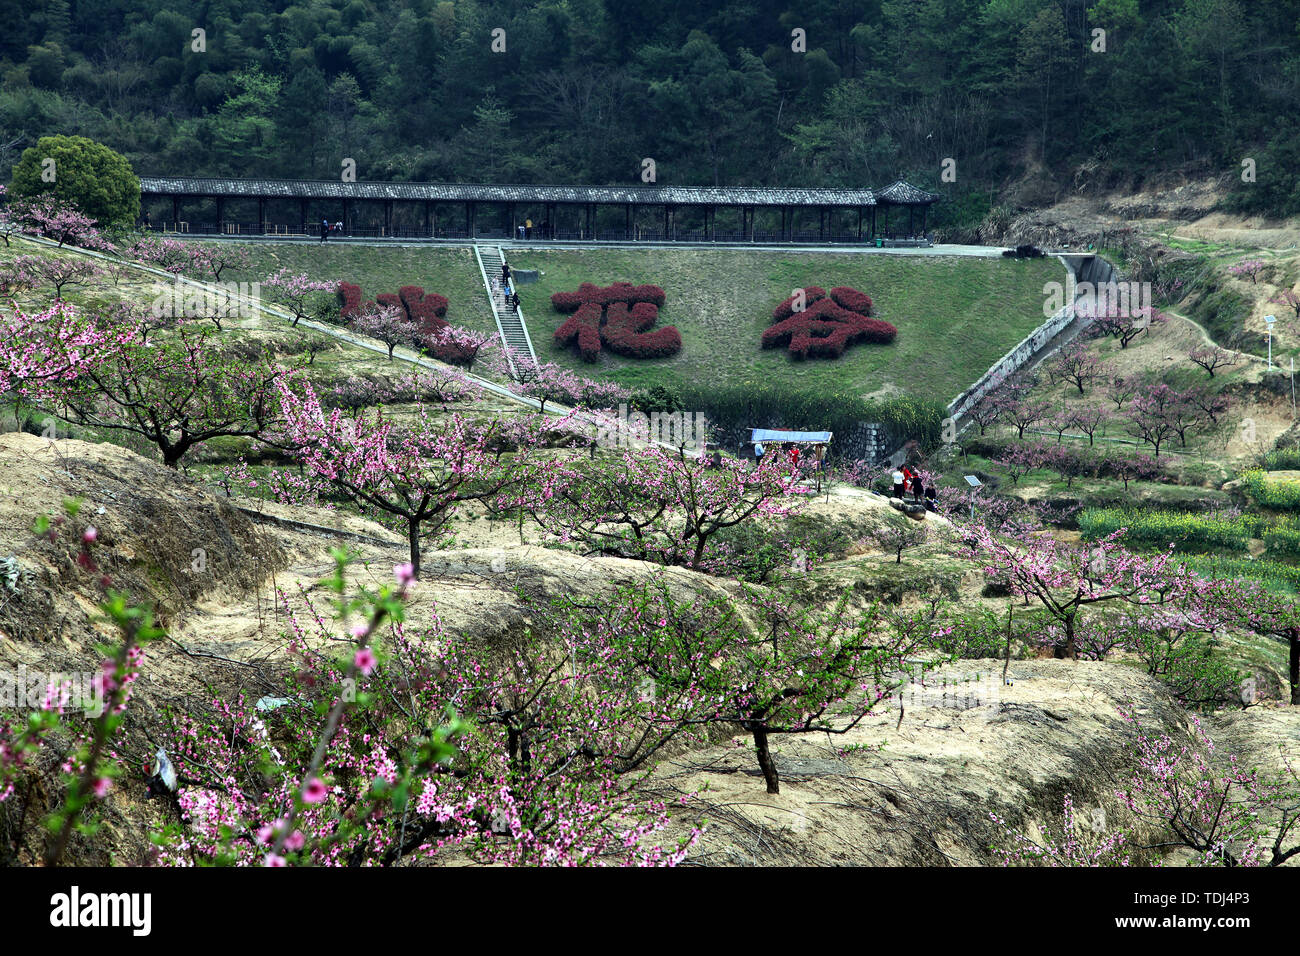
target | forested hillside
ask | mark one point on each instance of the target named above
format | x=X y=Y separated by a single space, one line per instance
x=1023 y=92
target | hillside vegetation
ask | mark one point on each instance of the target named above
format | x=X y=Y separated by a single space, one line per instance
x=649 y=657
x=1028 y=98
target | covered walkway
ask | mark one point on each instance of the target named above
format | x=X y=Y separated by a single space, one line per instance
x=648 y=213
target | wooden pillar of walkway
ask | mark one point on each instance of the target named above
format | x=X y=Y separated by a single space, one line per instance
x=221 y=213
x=591 y=216
x=347 y=217
x=821 y=223
x=627 y=227
x=428 y=209
x=859 y=223
x=302 y=216
x=910 y=233
x=176 y=213
x=388 y=217
x=873 y=222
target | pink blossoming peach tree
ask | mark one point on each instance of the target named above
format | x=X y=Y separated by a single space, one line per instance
x=416 y=472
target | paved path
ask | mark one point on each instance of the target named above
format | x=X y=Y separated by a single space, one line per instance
x=939 y=249
x=510 y=319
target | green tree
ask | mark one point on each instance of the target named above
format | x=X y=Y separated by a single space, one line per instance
x=708 y=114
x=1043 y=58
x=244 y=127
x=1212 y=34
x=303 y=118
x=487 y=147
x=94 y=178
x=45 y=65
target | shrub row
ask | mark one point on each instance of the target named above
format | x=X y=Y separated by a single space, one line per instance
x=733 y=409
x=1186 y=531
x=1283 y=578
x=1283 y=459
x=590 y=294
x=620 y=317
x=1271 y=493
x=1284 y=538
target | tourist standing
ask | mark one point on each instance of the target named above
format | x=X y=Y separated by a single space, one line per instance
x=324 y=229
x=758 y=453
x=505 y=274
x=898 y=484
x=931 y=501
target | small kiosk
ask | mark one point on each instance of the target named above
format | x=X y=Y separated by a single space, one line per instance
x=806 y=450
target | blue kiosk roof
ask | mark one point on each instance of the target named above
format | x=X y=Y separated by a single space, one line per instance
x=776 y=434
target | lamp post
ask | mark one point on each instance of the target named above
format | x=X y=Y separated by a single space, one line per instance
x=974 y=483
x=1268 y=321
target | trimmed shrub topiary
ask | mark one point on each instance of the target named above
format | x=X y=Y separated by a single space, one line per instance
x=350 y=302
x=786 y=309
x=427 y=310
x=620 y=317
x=827 y=326
x=852 y=299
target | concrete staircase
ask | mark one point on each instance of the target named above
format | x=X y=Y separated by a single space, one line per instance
x=510 y=321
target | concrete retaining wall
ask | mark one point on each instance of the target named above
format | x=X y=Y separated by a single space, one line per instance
x=1080 y=268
